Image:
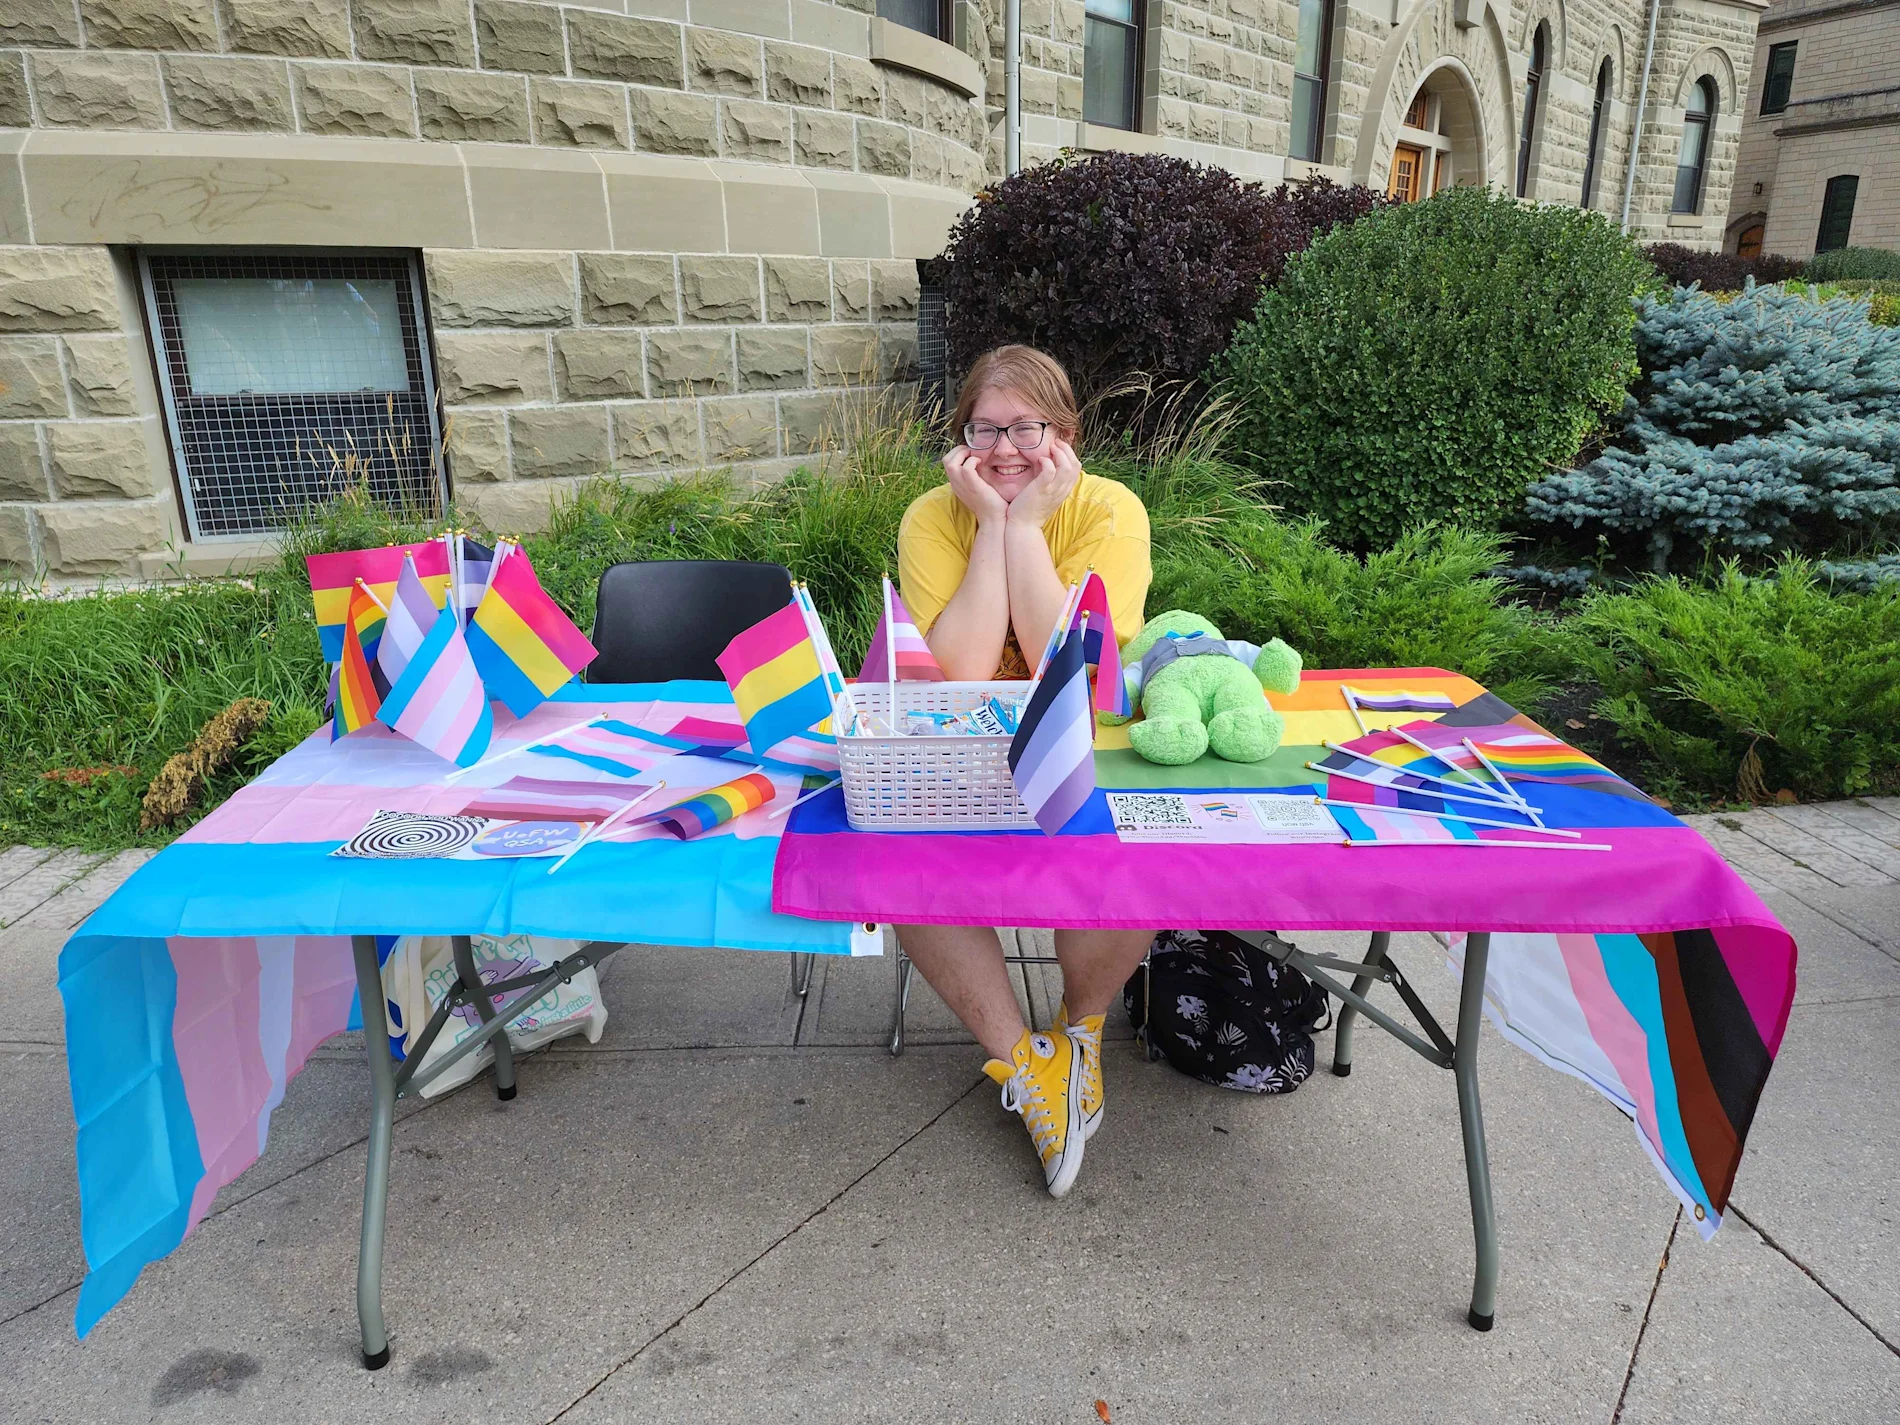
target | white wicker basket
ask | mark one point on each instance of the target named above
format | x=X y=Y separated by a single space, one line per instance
x=947 y=783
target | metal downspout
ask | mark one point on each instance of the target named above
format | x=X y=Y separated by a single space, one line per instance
x=1642 y=106
x=1012 y=86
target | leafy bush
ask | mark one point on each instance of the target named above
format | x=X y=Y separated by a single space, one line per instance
x=1432 y=359
x=1750 y=685
x=1719 y=271
x=1848 y=264
x=1861 y=576
x=1123 y=264
x=1764 y=421
x=1883 y=298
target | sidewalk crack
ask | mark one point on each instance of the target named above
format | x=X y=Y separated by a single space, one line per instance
x=1642 y=1330
x=1811 y=1275
x=770 y=1248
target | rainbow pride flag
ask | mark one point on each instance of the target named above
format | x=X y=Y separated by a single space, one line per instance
x=357 y=696
x=439 y=702
x=777 y=679
x=713 y=807
x=896 y=640
x=333 y=576
x=523 y=645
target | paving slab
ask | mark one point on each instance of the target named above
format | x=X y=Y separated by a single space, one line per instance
x=40 y=1254
x=1870 y=912
x=1739 y=1333
x=667 y=997
x=27 y=892
x=30 y=1008
x=851 y=1000
x=82 y=897
x=1833 y=960
x=532 y=1246
x=1817 y=854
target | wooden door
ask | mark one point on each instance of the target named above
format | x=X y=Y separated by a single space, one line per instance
x=1408 y=162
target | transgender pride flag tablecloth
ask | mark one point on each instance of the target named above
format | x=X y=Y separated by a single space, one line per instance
x=199 y=989
x=1651 y=971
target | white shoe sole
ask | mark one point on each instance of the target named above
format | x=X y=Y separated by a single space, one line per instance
x=1071 y=1163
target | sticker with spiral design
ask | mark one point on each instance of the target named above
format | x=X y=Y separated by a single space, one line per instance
x=408 y=835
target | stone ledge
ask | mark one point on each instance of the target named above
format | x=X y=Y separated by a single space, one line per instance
x=161 y=187
x=900 y=48
x=209 y=559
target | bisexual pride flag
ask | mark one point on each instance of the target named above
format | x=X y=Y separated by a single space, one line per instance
x=777 y=679
x=333 y=576
x=523 y=644
x=1052 y=755
x=440 y=703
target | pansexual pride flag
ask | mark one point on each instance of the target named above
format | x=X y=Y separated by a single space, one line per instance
x=332 y=576
x=357 y=696
x=440 y=703
x=896 y=639
x=713 y=807
x=777 y=680
x=523 y=644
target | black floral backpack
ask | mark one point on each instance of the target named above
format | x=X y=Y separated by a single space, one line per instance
x=1227 y=1012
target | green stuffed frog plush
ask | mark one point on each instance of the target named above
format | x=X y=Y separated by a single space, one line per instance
x=1199 y=693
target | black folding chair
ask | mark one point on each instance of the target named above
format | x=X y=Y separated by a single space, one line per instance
x=660 y=619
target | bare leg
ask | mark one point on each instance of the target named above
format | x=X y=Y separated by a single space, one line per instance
x=1095 y=966
x=964 y=964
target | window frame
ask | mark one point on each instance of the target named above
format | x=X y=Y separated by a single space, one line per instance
x=1533 y=99
x=945 y=12
x=1768 y=78
x=1852 y=180
x=197 y=423
x=1319 y=81
x=1138 y=40
x=1599 y=120
x=1712 y=97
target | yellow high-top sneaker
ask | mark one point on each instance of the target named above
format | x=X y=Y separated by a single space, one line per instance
x=1040 y=1083
x=1087 y=1034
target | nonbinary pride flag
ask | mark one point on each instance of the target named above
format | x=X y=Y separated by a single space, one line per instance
x=777 y=682
x=357 y=696
x=333 y=576
x=1052 y=755
x=440 y=703
x=915 y=662
x=522 y=643
x=411 y=616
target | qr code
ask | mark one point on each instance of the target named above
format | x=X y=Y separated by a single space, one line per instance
x=1135 y=811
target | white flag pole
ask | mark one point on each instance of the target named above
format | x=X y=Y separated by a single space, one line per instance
x=372 y=597
x=1447 y=816
x=1352 y=706
x=1062 y=627
x=890 y=649
x=600 y=828
x=534 y=746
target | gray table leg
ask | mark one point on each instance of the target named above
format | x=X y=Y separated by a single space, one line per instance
x=485 y=1007
x=1342 y=1026
x=382 y=1113
x=1484 y=1227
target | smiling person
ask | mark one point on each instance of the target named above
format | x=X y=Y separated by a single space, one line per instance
x=985 y=561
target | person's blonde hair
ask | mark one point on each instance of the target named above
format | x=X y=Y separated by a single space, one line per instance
x=1034 y=375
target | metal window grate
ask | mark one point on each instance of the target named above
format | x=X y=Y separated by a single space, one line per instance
x=291 y=379
x=933 y=347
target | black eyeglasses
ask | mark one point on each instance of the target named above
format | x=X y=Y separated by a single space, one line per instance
x=1024 y=435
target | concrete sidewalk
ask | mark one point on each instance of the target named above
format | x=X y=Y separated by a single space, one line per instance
x=739 y=1207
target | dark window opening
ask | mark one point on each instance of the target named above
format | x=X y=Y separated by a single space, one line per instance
x=1533 y=87
x=1837 y=212
x=1779 y=78
x=1599 y=118
x=928 y=17
x=289 y=380
x=1692 y=160
x=1312 y=55
x=1111 y=63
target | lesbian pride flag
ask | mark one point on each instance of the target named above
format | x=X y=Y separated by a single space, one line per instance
x=897 y=630
x=777 y=680
x=522 y=644
x=333 y=576
x=440 y=703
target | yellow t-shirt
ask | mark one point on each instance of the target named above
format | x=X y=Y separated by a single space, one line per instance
x=1102 y=524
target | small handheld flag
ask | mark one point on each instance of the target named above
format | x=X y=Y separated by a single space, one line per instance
x=334 y=576
x=440 y=703
x=523 y=644
x=357 y=696
x=896 y=638
x=411 y=616
x=1052 y=755
x=713 y=807
x=1099 y=650
x=776 y=677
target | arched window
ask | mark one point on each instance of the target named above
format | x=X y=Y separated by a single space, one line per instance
x=1599 y=119
x=1533 y=88
x=1692 y=162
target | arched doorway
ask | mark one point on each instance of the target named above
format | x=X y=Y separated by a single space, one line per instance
x=1439 y=140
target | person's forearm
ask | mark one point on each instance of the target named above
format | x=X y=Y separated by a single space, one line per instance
x=1036 y=591
x=967 y=638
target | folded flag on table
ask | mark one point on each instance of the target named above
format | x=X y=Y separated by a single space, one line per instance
x=523 y=644
x=713 y=807
x=610 y=746
x=542 y=799
x=1521 y=753
x=333 y=576
x=411 y=615
x=440 y=703
x=777 y=679
x=625 y=750
x=1052 y=755
x=357 y=696
x=1101 y=652
x=1400 y=701
x=897 y=630
x=1371 y=823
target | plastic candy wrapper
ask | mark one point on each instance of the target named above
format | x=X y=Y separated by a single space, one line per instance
x=997 y=717
x=933 y=724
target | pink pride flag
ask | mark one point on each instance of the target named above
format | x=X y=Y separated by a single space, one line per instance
x=915 y=662
x=439 y=702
